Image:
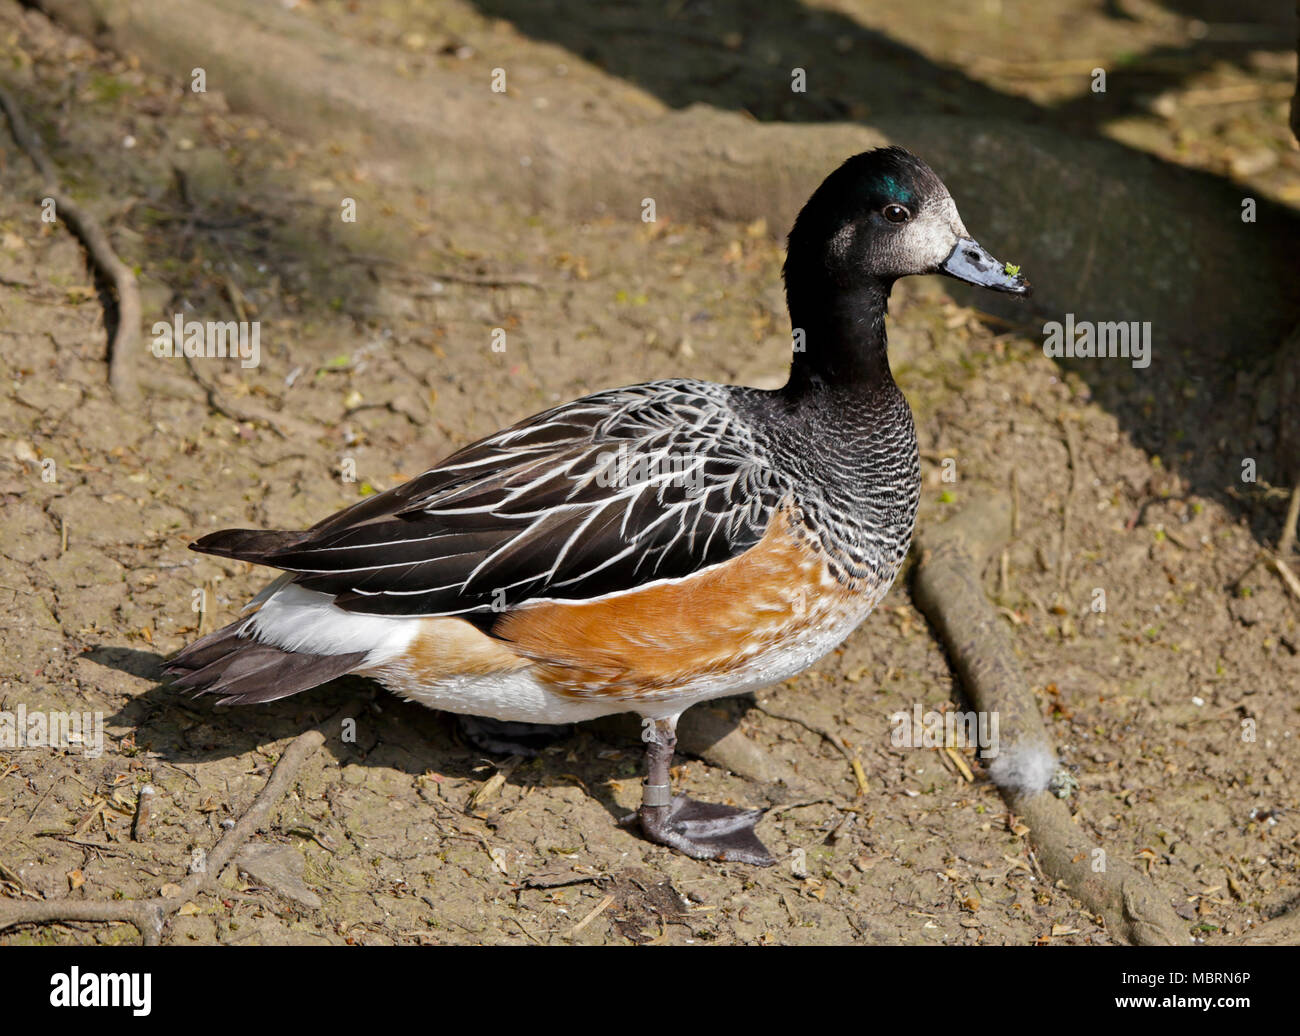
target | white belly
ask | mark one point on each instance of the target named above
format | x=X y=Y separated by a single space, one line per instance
x=518 y=696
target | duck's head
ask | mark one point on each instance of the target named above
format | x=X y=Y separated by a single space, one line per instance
x=882 y=215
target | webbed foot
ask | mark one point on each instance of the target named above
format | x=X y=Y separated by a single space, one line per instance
x=706 y=831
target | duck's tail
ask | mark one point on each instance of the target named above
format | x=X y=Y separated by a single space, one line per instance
x=245 y=544
x=231 y=663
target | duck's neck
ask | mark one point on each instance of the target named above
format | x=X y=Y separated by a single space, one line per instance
x=842 y=345
x=843 y=435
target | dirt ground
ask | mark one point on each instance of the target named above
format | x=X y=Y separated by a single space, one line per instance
x=377 y=357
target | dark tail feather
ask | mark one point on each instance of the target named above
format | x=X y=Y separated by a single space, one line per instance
x=245 y=544
x=246 y=671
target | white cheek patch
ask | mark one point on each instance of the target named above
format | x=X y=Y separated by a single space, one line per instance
x=934 y=234
x=950 y=215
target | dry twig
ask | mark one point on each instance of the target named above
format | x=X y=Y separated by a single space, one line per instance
x=126 y=337
x=151 y=915
x=219 y=405
x=1063 y=558
x=854 y=761
x=1287 y=542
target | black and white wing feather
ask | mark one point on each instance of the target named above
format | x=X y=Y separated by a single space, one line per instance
x=601 y=495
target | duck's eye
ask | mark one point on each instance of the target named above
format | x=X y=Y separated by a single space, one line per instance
x=896 y=213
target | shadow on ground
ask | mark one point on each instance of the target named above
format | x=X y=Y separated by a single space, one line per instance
x=181 y=729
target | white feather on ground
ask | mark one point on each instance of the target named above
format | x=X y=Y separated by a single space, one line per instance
x=1026 y=769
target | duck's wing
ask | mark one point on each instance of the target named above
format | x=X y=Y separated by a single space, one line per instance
x=595 y=497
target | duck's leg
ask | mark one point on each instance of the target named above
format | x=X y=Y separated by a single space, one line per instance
x=698 y=829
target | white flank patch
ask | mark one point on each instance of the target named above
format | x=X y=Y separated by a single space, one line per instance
x=303 y=620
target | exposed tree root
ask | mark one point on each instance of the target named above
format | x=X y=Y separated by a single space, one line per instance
x=126 y=338
x=1283 y=930
x=948 y=590
x=1287 y=541
x=151 y=915
x=1286 y=371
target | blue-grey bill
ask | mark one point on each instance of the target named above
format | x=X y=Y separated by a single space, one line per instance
x=969 y=262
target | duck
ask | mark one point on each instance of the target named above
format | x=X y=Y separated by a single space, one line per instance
x=642 y=549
